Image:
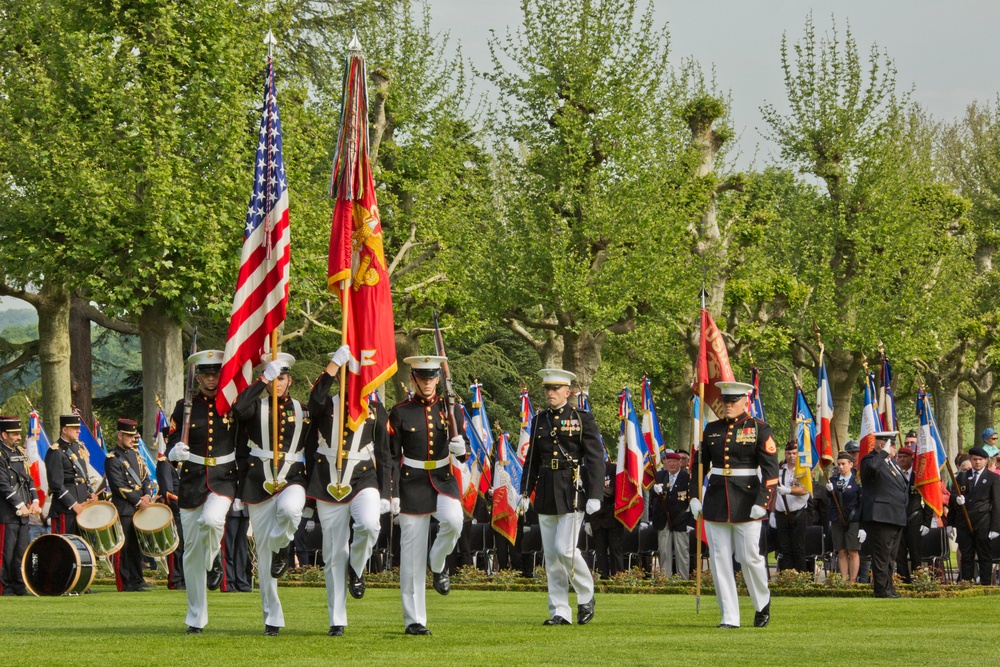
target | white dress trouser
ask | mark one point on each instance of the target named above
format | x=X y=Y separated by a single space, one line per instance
x=274 y=523
x=560 y=534
x=202 y=528
x=674 y=544
x=413 y=556
x=335 y=518
x=741 y=540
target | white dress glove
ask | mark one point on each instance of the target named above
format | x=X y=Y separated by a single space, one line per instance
x=829 y=486
x=180 y=452
x=272 y=370
x=690 y=529
x=757 y=512
x=862 y=535
x=960 y=500
x=783 y=489
x=384 y=506
x=587 y=529
x=237 y=505
x=593 y=506
x=522 y=505
x=394 y=506
x=924 y=530
x=950 y=530
x=310 y=526
x=457 y=446
x=695 y=508
x=658 y=489
x=993 y=535
x=342 y=355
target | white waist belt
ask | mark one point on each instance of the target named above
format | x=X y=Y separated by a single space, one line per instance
x=366 y=453
x=297 y=457
x=425 y=465
x=212 y=460
x=734 y=472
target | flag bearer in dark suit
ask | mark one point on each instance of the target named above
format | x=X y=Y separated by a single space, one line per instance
x=844 y=513
x=18 y=501
x=739 y=458
x=66 y=469
x=883 y=510
x=918 y=515
x=419 y=442
x=236 y=550
x=131 y=490
x=207 y=477
x=565 y=470
x=979 y=492
x=275 y=498
x=670 y=516
x=362 y=494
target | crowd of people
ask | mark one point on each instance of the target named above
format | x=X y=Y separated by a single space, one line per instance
x=375 y=493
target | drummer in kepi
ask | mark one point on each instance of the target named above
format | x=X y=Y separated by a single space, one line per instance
x=739 y=457
x=18 y=501
x=131 y=491
x=565 y=469
x=66 y=469
x=207 y=474
x=356 y=495
x=274 y=494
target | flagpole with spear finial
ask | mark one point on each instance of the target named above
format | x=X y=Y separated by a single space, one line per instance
x=271 y=42
x=701 y=467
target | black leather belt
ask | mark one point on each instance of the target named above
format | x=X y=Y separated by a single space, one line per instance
x=561 y=464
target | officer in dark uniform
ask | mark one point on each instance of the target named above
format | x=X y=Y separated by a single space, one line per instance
x=918 y=515
x=565 y=470
x=979 y=492
x=738 y=456
x=426 y=486
x=131 y=490
x=18 y=500
x=671 y=517
x=207 y=477
x=359 y=492
x=276 y=494
x=66 y=469
x=883 y=510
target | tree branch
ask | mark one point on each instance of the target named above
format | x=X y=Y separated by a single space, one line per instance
x=424 y=256
x=32 y=298
x=548 y=326
x=409 y=243
x=437 y=278
x=28 y=352
x=112 y=323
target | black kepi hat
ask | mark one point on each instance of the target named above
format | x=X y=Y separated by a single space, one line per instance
x=69 y=420
x=10 y=425
x=128 y=427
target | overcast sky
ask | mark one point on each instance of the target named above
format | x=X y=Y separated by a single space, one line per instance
x=947 y=50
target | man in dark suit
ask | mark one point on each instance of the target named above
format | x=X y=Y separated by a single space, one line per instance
x=918 y=515
x=18 y=501
x=883 y=510
x=671 y=517
x=131 y=491
x=66 y=469
x=565 y=469
x=979 y=492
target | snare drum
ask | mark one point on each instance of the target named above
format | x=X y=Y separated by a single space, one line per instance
x=58 y=564
x=99 y=524
x=155 y=530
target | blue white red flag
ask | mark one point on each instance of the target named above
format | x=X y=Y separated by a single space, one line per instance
x=756 y=401
x=482 y=474
x=36 y=446
x=886 y=401
x=96 y=454
x=870 y=424
x=583 y=403
x=824 y=416
x=261 y=299
x=930 y=456
x=524 y=436
x=506 y=489
x=651 y=435
x=629 y=471
x=162 y=429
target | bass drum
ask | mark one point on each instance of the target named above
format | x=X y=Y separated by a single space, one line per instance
x=155 y=531
x=57 y=565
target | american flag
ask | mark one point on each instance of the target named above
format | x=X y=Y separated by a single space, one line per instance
x=262 y=288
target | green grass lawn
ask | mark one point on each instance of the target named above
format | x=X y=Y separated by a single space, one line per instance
x=476 y=628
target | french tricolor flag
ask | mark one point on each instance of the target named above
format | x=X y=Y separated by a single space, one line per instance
x=629 y=472
x=870 y=424
x=824 y=416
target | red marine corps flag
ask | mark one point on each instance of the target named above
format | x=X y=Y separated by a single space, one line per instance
x=357 y=270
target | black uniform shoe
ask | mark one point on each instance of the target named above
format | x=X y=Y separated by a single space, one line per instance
x=726 y=626
x=556 y=620
x=192 y=630
x=336 y=631
x=442 y=583
x=279 y=563
x=417 y=629
x=271 y=631
x=214 y=578
x=585 y=612
x=762 y=617
x=355 y=584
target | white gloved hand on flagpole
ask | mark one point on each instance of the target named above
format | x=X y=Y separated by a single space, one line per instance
x=457 y=446
x=272 y=370
x=695 y=508
x=342 y=355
